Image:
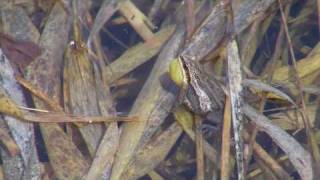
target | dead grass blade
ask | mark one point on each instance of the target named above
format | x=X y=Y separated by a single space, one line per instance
x=22 y=132
x=270 y=68
x=80 y=92
x=310 y=132
x=40 y=94
x=211 y=33
x=137 y=55
x=16 y=23
x=155 y=176
x=299 y=157
x=66 y=160
x=202 y=43
x=102 y=162
x=190 y=17
x=21 y=53
x=259 y=171
x=185 y=119
x=107 y=9
x=199 y=147
x=235 y=80
x=305 y=67
x=270 y=162
x=142 y=25
x=226 y=141
x=148 y=157
x=104 y=157
x=56 y=117
x=268 y=88
x=291 y=119
x=147 y=105
x=6 y=141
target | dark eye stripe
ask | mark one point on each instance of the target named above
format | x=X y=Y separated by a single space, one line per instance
x=185 y=68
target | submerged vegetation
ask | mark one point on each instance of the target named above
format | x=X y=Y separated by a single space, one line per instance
x=161 y=89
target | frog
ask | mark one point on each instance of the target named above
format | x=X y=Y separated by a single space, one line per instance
x=200 y=92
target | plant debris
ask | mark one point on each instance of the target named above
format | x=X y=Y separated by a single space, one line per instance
x=139 y=89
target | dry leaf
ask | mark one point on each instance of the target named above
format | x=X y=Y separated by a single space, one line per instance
x=268 y=88
x=300 y=158
x=21 y=53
